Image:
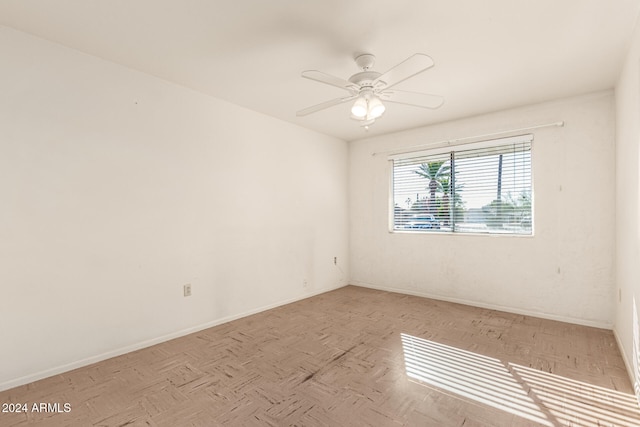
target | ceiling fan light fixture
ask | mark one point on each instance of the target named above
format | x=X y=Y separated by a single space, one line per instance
x=376 y=107
x=360 y=107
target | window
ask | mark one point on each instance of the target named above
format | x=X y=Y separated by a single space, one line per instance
x=477 y=188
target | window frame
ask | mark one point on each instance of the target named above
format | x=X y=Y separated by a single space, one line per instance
x=443 y=149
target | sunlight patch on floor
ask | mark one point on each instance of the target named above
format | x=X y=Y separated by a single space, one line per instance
x=538 y=396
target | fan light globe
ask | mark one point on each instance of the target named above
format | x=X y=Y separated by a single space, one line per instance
x=376 y=107
x=359 y=108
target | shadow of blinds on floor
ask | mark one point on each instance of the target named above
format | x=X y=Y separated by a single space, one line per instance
x=538 y=396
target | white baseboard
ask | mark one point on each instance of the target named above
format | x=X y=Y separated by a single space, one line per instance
x=583 y=322
x=627 y=364
x=148 y=343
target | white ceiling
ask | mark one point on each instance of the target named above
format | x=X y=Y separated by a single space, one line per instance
x=489 y=54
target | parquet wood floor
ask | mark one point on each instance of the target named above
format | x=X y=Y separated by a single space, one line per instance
x=352 y=357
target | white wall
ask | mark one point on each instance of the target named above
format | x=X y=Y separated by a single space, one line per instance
x=117 y=188
x=628 y=206
x=564 y=272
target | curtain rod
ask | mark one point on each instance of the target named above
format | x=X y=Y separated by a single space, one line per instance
x=453 y=141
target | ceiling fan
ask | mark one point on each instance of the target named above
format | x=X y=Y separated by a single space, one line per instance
x=369 y=88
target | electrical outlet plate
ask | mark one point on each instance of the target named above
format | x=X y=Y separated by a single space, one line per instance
x=187 y=290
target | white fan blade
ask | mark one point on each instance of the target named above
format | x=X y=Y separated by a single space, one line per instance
x=325 y=78
x=324 y=105
x=414 y=99
x=406 y=69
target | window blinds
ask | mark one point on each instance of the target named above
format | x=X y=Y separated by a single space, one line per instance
x=477 y=188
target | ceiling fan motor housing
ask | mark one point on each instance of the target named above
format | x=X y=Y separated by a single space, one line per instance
x=364 y=78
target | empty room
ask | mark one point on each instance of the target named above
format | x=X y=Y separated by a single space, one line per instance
x=319 y=213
